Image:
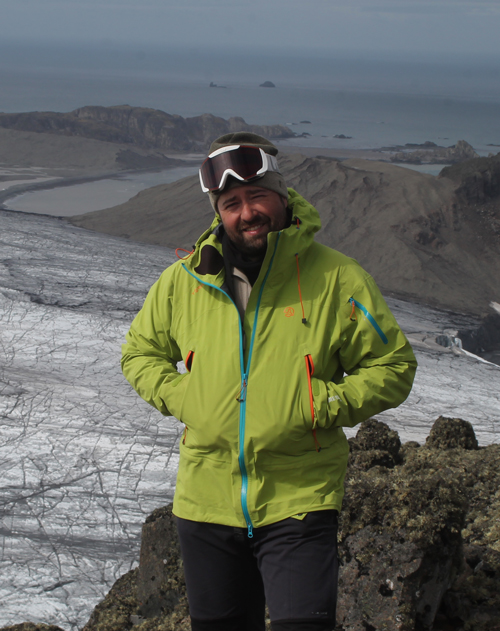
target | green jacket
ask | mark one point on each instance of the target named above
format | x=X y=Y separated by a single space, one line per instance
x=266 y=398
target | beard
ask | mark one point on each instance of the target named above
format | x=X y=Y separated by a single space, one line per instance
x=250 y=245
x=250 y=238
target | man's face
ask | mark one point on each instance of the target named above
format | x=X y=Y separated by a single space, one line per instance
x=248 y=214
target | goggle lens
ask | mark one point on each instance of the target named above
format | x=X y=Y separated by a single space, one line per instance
x=242 y=162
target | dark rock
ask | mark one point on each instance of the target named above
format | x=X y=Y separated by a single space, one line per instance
x=365 y=460
x=448 y=433
x=473 y=601
x=267 y=84
x=305 y=122
x=407 y=447
x=152 y=597
x=160 y=586
x=115 y=611
x=375 y=445
x=484 y=340
x=343 y=137
x=478 y=180
x=374 y=434
x=400 y=539
x=387 y=582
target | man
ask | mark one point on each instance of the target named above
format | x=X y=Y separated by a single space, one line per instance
x=285 y=342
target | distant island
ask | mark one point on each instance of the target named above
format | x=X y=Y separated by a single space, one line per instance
x=267 y=84
x=214 y=85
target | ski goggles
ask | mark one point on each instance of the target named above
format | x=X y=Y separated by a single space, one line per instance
x=240 y=161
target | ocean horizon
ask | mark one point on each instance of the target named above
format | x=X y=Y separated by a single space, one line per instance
x=373 y=102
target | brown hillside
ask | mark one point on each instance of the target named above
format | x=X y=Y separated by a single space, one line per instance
x=421 y=237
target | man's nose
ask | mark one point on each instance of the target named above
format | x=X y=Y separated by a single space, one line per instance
x=248 y=212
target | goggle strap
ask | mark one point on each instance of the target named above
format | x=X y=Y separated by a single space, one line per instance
x=217 y=152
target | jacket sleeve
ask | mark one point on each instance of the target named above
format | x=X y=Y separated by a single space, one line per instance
x=150 y=354
x=378 y=364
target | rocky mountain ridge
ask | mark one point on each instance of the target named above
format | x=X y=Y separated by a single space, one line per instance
x=434 y=240
x=141 y=126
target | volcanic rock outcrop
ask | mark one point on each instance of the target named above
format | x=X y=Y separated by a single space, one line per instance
x=418 y=542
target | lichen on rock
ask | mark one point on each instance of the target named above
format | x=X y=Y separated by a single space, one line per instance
x=115 y=611
x=447 y=433
x=399 y=536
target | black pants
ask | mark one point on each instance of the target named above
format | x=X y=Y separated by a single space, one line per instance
x=291 y=565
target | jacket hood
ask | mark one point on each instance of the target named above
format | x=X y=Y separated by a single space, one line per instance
x=297 y=237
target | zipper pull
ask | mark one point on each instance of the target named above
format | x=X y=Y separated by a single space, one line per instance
x=242 y=394
x=352 y=317
x=250 y=531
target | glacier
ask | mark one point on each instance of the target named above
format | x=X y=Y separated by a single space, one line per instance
x=83 y=460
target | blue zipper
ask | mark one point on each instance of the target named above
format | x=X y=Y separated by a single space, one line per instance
x=244 y=382
x=370 y=319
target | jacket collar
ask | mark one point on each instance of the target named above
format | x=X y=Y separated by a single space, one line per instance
x=207 y=258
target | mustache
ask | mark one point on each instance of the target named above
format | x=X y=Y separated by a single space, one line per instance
x=257 y=221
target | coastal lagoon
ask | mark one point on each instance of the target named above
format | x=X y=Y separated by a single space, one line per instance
x=66 y=201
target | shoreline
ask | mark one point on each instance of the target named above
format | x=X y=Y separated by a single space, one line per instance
x=52 y=182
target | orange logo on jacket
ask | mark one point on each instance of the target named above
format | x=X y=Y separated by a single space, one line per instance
x=197 y=290
x=289 y=312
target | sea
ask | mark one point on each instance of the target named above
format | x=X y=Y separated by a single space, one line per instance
x=340 y=100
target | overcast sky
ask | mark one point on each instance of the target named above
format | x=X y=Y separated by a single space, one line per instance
x=405 y=26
